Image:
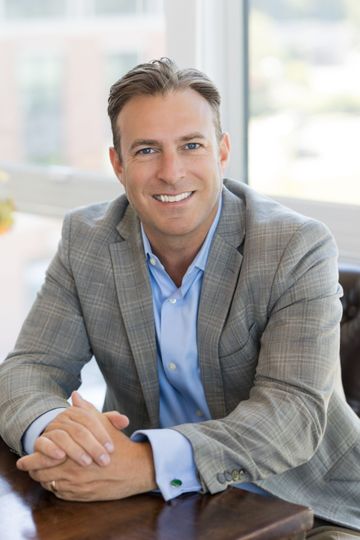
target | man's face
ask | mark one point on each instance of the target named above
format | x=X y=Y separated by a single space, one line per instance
x=171 y=164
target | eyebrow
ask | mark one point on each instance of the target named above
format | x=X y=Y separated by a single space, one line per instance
x=154 y=142
x=194 y=135
x=143 y=142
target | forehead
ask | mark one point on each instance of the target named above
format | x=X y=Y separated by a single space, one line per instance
x=157 y=115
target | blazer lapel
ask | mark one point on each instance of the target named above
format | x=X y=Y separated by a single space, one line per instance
x=220 y=278
x=135 y=301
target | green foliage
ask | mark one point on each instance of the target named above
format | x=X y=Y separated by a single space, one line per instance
x=6 y=214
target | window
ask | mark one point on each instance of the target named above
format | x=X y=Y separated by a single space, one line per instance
x=23 y=9
x=57 y=81
x=40 y=84
x=119 y=63
x=304 y=99
x=111 y=7
x=22 y=269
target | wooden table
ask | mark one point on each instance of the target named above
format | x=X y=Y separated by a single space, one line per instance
x=28 y=512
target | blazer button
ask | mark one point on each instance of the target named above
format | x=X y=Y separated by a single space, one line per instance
x=221 y=478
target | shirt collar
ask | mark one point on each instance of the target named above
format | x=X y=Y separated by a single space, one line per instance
x=201 y=257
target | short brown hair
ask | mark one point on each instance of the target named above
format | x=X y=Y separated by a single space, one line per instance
x=159 y=77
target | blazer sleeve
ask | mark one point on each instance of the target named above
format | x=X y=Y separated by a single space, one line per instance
x=282 y=423
x=50 y=351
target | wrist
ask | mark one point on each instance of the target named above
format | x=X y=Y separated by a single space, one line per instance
x=144 y=467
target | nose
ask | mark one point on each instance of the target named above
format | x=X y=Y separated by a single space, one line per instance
x=171 y=167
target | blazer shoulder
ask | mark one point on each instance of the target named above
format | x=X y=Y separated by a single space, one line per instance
x=99 y=213
x=267 y=219
x=98 y=220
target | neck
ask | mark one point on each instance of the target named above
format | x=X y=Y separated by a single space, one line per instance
x=176 y=259
x=177 y=252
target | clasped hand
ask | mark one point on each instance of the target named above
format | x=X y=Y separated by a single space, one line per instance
x=84 y=452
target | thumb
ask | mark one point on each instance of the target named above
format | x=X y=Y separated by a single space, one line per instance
x=78 y=401
x=119 y=421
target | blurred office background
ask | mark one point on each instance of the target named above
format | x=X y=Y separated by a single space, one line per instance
x=288 y=72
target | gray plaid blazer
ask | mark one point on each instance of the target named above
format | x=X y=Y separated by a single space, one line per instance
x=268 y=341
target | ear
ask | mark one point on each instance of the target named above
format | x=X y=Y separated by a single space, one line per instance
x=224 y=150
x=116 y=163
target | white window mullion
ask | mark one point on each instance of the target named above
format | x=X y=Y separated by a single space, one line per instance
x=209 y=35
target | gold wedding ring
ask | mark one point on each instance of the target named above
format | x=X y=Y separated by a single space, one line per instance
x=53 y=486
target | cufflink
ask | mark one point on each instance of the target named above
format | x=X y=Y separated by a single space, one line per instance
x=176 y=483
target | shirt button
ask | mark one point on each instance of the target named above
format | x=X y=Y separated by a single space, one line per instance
x=199 y=413
x=152 y=261
x=172 y=300
x=172 y=366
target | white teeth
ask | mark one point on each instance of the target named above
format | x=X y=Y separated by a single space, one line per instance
x=173 y=198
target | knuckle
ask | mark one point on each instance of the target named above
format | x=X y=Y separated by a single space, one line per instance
x=54 y=425
x=61 y=417
x=80 y=414
x=56 y=435
x=34 y=475
x=39 y=443
x=78 y=431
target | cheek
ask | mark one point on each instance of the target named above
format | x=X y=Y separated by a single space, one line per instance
x=123 y=184
x=134 y=178
x=127 y=181
x=134 y=191
x=210 y=168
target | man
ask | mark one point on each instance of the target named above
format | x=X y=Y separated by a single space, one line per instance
x=213 y=313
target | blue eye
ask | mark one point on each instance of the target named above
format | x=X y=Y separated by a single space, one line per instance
x=145 y=151
x=192 y=146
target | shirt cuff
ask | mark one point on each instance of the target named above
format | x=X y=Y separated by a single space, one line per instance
x=174 y=463
x=37 y=427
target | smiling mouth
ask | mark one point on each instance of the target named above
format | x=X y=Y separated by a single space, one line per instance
x=173 y=198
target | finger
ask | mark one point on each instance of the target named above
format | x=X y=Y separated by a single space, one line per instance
x=46 y=446
x=44 y=476
x=72 y=449
x=51 y=486
x=35 y=461
x=79 y=444
x=57 y=491
x=91 y=418
x=87 y=429
x=61 y=493
x=78 y=401
x=119 y=421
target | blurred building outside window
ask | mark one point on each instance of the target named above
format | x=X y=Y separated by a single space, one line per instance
x=304 y=94
x=57 y=62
